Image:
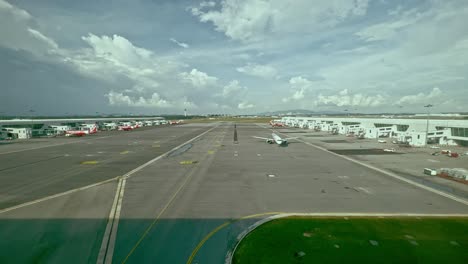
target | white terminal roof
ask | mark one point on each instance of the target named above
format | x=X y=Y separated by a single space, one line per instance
x=71 y=120
x=392 y=121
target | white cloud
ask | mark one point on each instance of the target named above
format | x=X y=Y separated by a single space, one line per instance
x=207 y=4
x=233 y=89
x=117 y=49
x=245 y=105
x=39 y=36
x=232 y=96
x=119 y=99
x=180 y=44
x=111 y=58
x=189 y=104
x=344 y=98
x=296 y=96
x=16 y=29
x=300 y=82
x=264 y=71
x=300 y=86
x=383 y=55
x=198 y=78
x=253 y=19
x=421 y=98
x=388 y=30
x=18 y=13
x=411 y=61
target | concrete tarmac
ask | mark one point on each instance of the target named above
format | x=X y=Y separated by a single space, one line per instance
x=169 y=208
x=70 y=228
x=48 y=168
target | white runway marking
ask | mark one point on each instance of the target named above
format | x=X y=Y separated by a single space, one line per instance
x=53 y=145
x=366 y=190
x=427 y=188
x=108 y=242
x=56 y=195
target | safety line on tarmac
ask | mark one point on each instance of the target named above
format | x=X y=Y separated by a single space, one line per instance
x=214 y=231
x=276 y=215
x=422 y=186
x=109 y=238
x=116 y=206
x=57 y=195
x=53 y=145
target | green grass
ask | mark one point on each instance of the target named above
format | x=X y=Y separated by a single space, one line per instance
x=337 y=240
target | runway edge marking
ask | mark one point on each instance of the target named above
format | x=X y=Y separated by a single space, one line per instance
x=108 y=241
x=422 y=186
x=56 y=195
x=102 y=250
x=53 y=145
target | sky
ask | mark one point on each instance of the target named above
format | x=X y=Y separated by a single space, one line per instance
x=60 y=57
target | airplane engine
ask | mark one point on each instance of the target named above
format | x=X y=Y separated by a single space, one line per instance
x=269 y=141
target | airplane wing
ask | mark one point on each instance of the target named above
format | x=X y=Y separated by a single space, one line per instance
x=262 y=138
x=290 y=138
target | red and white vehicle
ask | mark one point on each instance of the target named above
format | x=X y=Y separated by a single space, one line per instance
x=175 y=122
x=75 y=133
x=126 y=126
x=138 y=124
x=276 y=123
x=90 y=128
x=84 y=129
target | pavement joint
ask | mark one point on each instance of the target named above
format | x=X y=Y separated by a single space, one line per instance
x=173 y=197
x=53 y=145
x=111 y=237
x=57 y=195
x=427 y=188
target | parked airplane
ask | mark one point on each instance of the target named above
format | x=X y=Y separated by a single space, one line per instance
x=75 y=133
x=84 y=130
x=276 y=123
x=276 y=139
x=125 y=128
x=89 y=128
x=176 y=122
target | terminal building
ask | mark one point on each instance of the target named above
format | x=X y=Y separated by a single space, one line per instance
x=414 y=132
x=27 y=128
x=15 y=133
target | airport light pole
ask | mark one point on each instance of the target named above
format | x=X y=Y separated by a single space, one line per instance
x=427 y=123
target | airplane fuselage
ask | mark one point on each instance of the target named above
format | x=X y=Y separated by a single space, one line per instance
x=278 y=140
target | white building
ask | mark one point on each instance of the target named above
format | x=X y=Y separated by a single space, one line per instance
x=109 y=126
x=415 y=132
x=17 y=133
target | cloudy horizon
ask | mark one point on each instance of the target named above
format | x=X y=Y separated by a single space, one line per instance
x=232 y=56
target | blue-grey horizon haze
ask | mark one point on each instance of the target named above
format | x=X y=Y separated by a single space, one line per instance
x=232 y=56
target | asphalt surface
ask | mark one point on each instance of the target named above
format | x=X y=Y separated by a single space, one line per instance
x=70 y=228
x=169 y=208
x=190 y=206
x=57 y=165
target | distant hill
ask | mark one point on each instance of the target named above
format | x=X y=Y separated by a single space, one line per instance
x=299 y=112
